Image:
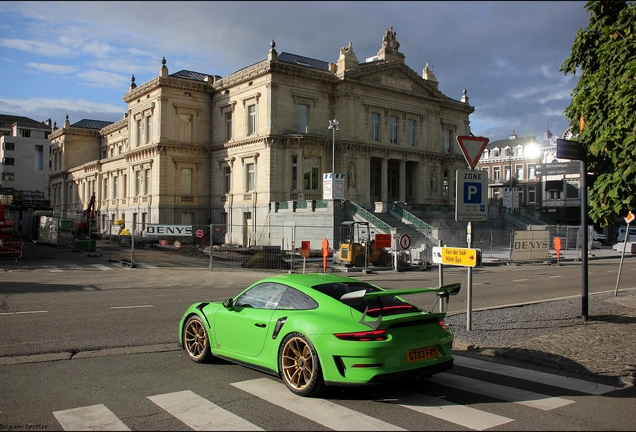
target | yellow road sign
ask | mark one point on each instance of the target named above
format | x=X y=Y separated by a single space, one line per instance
x=457 y=256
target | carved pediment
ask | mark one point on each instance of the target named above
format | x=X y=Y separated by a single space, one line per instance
x=395 y=77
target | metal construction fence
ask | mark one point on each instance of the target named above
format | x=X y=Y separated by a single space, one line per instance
x=500 y=244
x=10 y=248
x=275 y=247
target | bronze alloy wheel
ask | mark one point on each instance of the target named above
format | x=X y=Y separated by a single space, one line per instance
x=299 y=366
x=195 y=340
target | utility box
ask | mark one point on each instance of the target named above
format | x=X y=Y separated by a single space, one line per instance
x=85 y=245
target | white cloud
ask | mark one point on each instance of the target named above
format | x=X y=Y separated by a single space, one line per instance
x=97 y=49
x=104 y=79
x=52 y=69
x=37 y=47
x=45 y=104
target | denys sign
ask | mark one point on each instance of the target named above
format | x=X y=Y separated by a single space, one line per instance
x=169 y=230
x=530 y=245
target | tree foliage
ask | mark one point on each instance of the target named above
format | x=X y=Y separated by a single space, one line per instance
x=605 y=54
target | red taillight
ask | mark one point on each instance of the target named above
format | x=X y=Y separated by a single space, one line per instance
x=375 y=335
x=442 y=325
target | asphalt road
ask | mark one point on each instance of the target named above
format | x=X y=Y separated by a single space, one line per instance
x=82 y=335
x=77 y=303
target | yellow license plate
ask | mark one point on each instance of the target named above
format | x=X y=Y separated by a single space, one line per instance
x=421 y=354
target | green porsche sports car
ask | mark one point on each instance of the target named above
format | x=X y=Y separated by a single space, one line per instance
x=314 y=330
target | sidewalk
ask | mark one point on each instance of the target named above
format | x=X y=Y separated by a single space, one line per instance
x=552 y=334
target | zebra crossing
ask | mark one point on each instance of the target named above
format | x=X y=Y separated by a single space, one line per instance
x=199 y=413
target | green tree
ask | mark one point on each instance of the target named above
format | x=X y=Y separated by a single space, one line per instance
x=605 y=96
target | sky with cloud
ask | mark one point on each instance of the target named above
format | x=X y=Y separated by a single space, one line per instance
x=77 y=58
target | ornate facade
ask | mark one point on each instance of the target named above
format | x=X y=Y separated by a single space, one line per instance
x=198 y=149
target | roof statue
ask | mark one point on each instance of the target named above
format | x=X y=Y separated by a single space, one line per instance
x=390 y=46
x=348 y=49
x=389 y=41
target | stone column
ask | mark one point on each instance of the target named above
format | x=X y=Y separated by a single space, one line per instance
x=402 y=181
x=384 y=183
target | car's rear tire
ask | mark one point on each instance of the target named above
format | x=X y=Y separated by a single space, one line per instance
x=195 y=340
x=299 y=366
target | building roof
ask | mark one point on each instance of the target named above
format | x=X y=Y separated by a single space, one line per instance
x=303 y=61
x=91 y=124
x=187 y=74
x=512 y=142
x=8 y=121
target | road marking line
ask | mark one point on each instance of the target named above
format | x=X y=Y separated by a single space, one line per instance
x=199 y=413
x=326 y=413
x=131 y=307
x=74 y=267
x=556 y=276
x=522 y=397
x=519 y=280
x=534 y=376
x=95 y=417
x=101 y=267
x=442 y=409
x=52 y=268
x=145 y=265
x=23 y=312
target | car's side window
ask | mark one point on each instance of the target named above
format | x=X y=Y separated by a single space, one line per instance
x=262 y=296
x=295 y=300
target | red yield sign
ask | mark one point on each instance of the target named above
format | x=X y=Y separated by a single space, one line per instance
x=472 y=147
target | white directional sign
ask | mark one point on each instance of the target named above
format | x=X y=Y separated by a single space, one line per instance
x=471 y=202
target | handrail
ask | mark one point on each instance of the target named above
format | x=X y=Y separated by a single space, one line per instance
x=410 y=217
x=539 y=216
x=368 y=216
x=519 y=217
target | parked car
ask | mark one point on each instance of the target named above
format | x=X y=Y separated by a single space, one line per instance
x=317 y=330
x=601 y=238
x=621 y=234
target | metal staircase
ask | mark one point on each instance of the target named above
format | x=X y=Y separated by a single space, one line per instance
x=398 y=222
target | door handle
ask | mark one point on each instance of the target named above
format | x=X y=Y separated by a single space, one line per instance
x=260 y=325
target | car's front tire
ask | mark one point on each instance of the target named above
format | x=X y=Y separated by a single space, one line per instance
x=299 y=366
x=195 y=340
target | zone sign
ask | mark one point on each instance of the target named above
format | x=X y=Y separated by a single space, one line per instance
x=471 y=202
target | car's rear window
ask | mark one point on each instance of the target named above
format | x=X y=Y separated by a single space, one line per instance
x=389 y=305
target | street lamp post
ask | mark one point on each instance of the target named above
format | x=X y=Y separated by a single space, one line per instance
x=512 y=197
x=510 y=162
x=333 y=125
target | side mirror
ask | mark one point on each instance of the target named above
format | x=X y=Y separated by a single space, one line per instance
x=228 y=303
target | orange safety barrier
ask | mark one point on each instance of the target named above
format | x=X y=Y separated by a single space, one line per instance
x=10 y=249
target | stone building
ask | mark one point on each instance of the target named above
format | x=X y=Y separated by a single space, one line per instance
x=199 y=149
x=24 y=152
x=511 y=165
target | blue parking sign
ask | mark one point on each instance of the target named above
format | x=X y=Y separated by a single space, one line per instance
x=471 y=198
x=472 y=193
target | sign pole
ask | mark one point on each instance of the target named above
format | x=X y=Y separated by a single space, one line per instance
x=630 y=217
x=584 y=282
x=211 y=241
x=440 y=276
x=469 y=291
x=620 y=266
x=474 y=206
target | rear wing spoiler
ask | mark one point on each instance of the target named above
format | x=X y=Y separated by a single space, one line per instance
x=356 y=298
